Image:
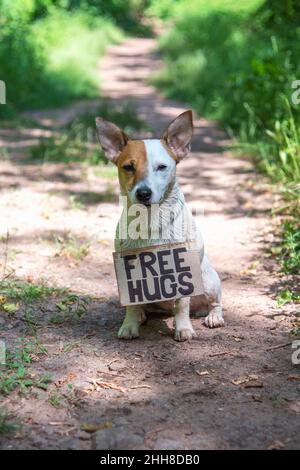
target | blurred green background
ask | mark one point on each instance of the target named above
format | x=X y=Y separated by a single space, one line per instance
x=49 y=49
x=234 y=62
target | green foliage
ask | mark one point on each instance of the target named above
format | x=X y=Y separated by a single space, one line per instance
x=49 y=49
x=69 y=308
x=126 y=14
x=274 y=15
x=48 y=55
x=25 y=291
x=65 y=148
x=78 y=140
x=238 y=66
x=289 y=247
x=74 y=43
x=6 y=424
x=179 y=8
x=71 y=247
x=55 y=400
x=287 y=296
x=122 y=114
x=163 y=9
x=22 y=59
x=15 y=374
x=236 y=62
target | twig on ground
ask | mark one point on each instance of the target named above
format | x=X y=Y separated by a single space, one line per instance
x=141 y=386
x=111 y=362
x=106 y=385
x=278 y=346
x=221 y=353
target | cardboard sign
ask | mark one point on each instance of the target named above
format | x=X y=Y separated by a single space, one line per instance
x=158 y=273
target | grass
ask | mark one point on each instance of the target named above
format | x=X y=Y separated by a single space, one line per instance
x=289 y=248
x=15 y=373
x=27 y=292
x=57 y=399
x=4 y=154
x=236 y=63
x=74 y=42
x=49 y=49
x=122 y=114
x=167 y=9
x=7 y=426
x=77 y=141
x=53 y=57
x=75 y=203
x=286 y=296
x=71 y=247
x=70 y=346
x=17 y=295
x=108 y=172
x=20 y=296
x=70 y=307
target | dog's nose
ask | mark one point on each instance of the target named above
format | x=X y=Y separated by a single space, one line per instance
x=143 y=194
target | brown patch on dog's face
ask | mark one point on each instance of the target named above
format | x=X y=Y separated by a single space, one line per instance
x=132 y=164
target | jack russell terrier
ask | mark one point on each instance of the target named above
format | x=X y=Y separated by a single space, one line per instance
x=147 y=176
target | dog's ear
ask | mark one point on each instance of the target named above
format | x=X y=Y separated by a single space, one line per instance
x=179 y=133
x=111 y=138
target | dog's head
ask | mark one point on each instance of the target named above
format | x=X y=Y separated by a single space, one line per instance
x=146 y=167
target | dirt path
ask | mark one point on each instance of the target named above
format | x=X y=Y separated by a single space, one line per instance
x=229 y=388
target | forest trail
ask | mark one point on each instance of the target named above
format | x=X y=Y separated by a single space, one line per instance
x=233 y=387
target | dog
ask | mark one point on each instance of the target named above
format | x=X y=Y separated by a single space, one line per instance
x=147 y=176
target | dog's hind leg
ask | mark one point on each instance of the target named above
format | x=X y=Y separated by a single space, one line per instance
x=213 y=295
x=134 y=317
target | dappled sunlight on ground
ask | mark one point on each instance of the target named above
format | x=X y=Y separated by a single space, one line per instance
x=226 y=389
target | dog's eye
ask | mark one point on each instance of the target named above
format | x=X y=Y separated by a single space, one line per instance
x=161 y=167
x=129 y=167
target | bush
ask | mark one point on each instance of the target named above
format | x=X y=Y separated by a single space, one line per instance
x=22 y=59
x=49 y=55
x=74 y=43
x=78 y=142
x=236 y=62
x=238 y=66
x=126 y=14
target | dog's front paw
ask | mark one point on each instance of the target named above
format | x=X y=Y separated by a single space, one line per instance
x=129 y=331
x=185 y=334
x=214 y=319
